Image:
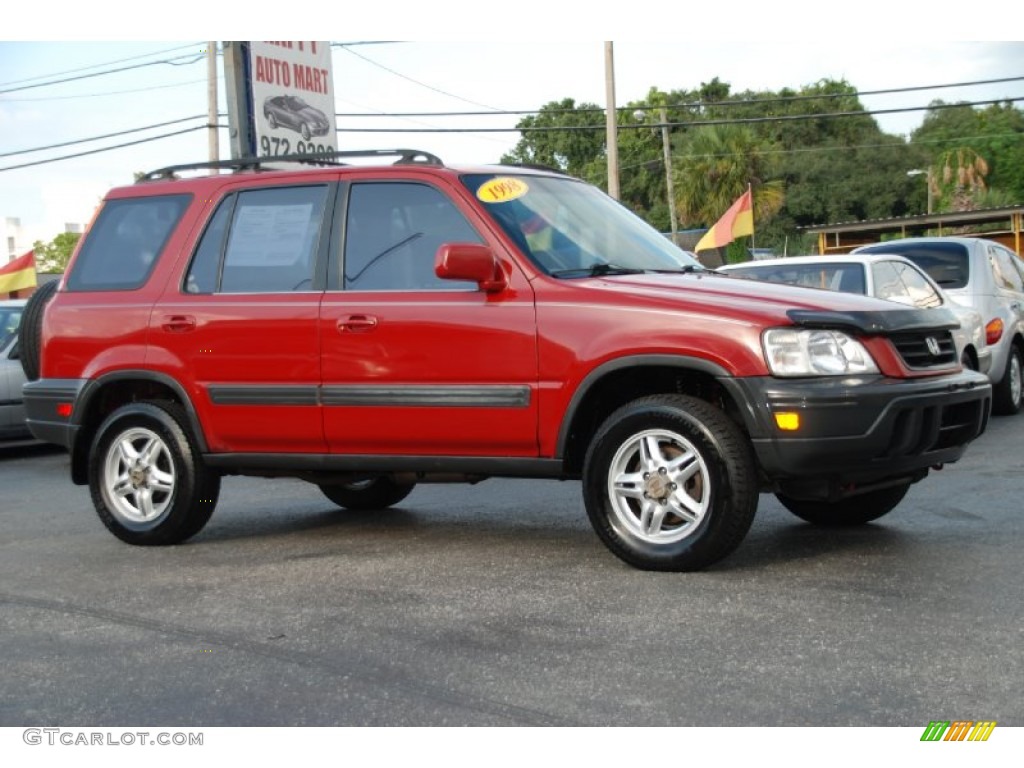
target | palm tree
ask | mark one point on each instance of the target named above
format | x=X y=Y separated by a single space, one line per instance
x=718 y=164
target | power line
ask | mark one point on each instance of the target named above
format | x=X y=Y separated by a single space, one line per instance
x=104 y=136
x=174 y=62
x=688 y=124
x=688 y=105
x=413 y=80
x=108 y=149
x=101 y=64
x=108 y=93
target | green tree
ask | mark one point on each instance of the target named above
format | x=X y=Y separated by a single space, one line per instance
x=573 y=138
x=54 y=256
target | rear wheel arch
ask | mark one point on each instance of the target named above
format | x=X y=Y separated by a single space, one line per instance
x=104 y=395
x=617 y=382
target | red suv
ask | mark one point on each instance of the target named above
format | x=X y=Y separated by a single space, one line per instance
x=371 y=328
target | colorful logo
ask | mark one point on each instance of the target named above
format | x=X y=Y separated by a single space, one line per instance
x=958 y=730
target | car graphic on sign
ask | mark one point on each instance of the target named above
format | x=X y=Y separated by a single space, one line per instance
x=292 y=112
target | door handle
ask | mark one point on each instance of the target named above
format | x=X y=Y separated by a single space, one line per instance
x=179 y=323
x=357 y=323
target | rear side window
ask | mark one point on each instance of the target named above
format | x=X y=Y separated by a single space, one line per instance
x=945 y=263
x=260 y=241
x=1003 y=269
x=124 y=242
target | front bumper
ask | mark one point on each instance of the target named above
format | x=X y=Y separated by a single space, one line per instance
x=859 y=432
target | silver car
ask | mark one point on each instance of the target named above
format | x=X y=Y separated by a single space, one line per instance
x=987 y=277
x=12 y=408
x=884 y=276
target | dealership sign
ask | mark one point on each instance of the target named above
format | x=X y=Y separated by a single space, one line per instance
x=280 y=97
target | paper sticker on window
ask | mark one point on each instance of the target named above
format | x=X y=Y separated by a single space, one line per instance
x=502 y=189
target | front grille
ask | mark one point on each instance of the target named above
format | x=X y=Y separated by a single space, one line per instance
x=920 y=354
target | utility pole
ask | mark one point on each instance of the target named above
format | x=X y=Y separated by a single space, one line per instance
x=611 y=131
x=667 y=149
x=211 y=106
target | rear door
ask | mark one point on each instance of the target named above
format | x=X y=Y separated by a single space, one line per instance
x=242 y=327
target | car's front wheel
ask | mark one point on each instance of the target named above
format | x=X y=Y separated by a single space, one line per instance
x=670 y=483
x=1009 y=391
x=371 y=493
x=854 y=510
x=147 y=480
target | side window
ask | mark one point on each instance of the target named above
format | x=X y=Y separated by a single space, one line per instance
x=919 y=289
x=888 y=284
x=1003 y=269
x=122 y=246
x=272 y=243
x=393 y=232
x=260 y=241
x=203 y=272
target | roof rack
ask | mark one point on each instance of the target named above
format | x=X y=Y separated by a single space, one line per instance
x=405 y=157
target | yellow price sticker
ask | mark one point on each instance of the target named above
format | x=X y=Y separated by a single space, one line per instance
x=502 y=189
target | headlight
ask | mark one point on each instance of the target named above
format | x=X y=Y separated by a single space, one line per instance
x=796 y=352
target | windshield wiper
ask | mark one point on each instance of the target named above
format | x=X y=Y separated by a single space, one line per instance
x=598 y=270
x=683 y=269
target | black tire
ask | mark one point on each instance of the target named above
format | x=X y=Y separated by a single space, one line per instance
x=147 y=480
x=1009 y=392
x=372 y=493
x=30 y=331
x=855 y=510
x=691 y=514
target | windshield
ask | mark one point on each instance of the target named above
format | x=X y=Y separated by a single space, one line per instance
x=572 y=229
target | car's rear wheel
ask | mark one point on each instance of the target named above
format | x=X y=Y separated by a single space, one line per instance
x=1008 y=393
x=147 y=480
x=30 y=331
x=670 y=483
x=855 y=510
x=304 y=130
x=271 y=120
x=371 y=493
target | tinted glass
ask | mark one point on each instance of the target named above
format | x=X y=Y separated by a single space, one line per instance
x=121 y=248
x=10 y=319
x=272 y=243
x=946 y=263
x=203 y=272
x=393 y=232
x=840 y=276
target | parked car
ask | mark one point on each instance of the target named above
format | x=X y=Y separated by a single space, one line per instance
x=368 y=328
x=292 y=112
x=884 y=276
x=987 y=277
x=12 y=377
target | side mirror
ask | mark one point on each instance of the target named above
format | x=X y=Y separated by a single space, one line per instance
x=469 y=261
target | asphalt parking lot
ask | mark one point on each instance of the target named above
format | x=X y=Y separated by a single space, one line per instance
x=496 y=605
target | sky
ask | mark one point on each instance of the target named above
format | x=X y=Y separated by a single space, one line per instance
x=430 y=75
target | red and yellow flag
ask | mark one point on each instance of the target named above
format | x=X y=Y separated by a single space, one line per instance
x=18 y=273
x=736 y=222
